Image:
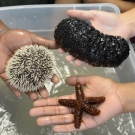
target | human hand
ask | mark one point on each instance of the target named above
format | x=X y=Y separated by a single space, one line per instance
x=51 y=112
x=13 y=39
x=105 y=22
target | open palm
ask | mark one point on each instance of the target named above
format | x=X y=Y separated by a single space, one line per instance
x=63 y=118
x=105 y=22
x=13 y=39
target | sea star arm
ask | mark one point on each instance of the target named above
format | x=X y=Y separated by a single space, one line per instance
x=67 y=102
x=90 y=109
x=79 y=91
x=78 y=116
x=94 y=100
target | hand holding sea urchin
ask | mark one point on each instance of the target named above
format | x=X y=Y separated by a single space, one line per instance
x=30 y=68
x=85 y=43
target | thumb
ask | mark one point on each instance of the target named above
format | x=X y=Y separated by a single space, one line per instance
x=84 y=15
x=3 y=28
x=72 y=80
x=50 y=44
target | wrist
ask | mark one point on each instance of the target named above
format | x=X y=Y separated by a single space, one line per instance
x=128 y=18
x=126 y=93
x=131 y=25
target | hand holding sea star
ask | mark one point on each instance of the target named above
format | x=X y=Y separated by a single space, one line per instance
x=81 y=104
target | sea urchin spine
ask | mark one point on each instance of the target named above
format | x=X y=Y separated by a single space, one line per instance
x=30 y=67
x=86 y=43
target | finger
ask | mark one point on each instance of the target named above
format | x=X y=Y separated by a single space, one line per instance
x=68 y=128
x=50 y=44
x=55 y=79
x=69 y=58
x=72 y=80
x=79 y=62
x=59 y=119
x=43 y=93
x=3 y=28
x=60 y=50
x=15 y=91
x=33 y=95
x=87 y=122
x=46 y=102
x=84 y=15
x=90 y=66
x=50 y=101
x=49 y=110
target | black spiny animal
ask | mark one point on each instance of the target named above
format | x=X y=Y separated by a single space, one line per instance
x=86 y=43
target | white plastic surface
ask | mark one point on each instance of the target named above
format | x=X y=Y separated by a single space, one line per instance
x=42 y=20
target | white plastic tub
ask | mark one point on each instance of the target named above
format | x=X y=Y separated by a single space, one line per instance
x=42 y=20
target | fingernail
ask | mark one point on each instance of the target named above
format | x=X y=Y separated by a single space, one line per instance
x=56 y=79
x=34 y=96
x=18 y=94
x=44 y=94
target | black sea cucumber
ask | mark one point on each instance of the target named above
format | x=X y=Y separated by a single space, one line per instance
x=86 y=43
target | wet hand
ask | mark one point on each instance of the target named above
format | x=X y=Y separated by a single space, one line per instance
x=105 y=22
x=13 y=39
x=51 y=112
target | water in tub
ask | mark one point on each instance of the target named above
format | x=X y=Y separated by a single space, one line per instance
x=14 y=111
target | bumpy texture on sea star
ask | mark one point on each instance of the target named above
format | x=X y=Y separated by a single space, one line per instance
x=82 y=103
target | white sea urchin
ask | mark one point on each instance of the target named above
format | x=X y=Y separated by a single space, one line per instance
x=30 y=67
